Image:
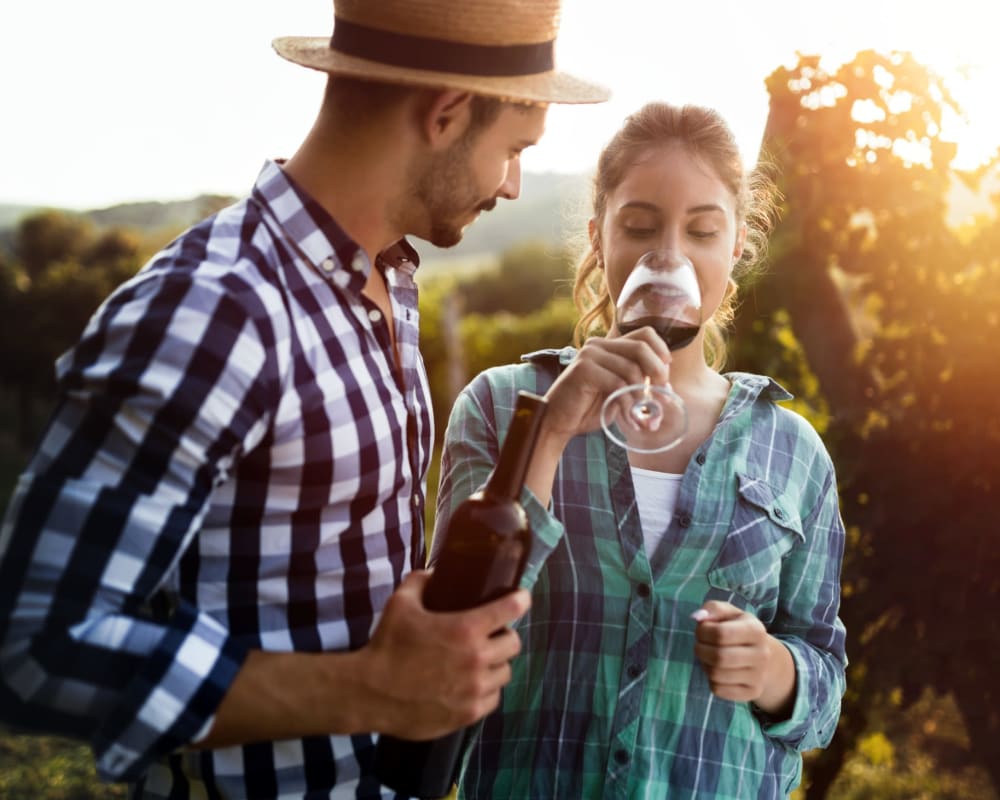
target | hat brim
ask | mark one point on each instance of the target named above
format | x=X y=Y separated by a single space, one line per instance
x=544 y=87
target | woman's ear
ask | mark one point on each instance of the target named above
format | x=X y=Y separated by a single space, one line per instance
x=741 y=240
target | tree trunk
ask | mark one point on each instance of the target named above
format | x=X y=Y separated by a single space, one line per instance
x=821 y=323
x=26 y=402
x=827 y=764
x=451 y=315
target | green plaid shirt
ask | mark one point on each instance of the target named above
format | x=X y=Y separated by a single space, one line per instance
x=608 y=699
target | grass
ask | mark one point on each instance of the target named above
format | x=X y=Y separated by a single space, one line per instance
x=50 y=768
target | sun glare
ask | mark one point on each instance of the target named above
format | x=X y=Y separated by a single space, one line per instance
x=977 y=132
x=126 y=143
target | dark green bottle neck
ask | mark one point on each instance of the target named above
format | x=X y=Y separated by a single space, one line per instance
x=507 y=478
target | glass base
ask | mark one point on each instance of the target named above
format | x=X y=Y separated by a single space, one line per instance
x=644 y=418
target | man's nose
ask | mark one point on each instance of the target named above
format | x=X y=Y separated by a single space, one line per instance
x=510 y=189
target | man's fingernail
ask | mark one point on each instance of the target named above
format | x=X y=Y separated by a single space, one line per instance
x=700 y=615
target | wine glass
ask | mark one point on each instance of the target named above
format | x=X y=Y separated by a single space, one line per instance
x=661 y=292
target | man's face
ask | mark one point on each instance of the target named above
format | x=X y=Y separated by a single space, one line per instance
x=455 y=186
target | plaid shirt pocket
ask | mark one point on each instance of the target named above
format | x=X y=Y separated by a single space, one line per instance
x=764 y=529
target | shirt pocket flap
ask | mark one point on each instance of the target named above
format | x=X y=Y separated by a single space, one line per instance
x=762 y=495
x=763 y=530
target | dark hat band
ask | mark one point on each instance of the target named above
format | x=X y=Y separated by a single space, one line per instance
x=439 y=55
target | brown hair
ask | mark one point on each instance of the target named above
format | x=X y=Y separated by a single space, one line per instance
x=362 y=100
x=705 y=134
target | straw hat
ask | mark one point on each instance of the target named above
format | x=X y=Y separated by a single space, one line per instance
x=499 y=48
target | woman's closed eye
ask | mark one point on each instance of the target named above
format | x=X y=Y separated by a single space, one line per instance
x=639 y=233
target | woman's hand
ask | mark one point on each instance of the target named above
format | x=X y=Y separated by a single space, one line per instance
x=602 y=365
x=575 y=399
x=742 y=661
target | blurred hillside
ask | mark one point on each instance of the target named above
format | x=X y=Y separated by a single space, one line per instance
x=552 y=209
x=548 y=210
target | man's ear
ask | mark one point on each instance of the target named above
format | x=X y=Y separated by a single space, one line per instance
x=444 y=117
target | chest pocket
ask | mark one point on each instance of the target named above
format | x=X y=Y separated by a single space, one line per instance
x=764 y=528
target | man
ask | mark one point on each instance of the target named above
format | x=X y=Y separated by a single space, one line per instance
x=204 y=567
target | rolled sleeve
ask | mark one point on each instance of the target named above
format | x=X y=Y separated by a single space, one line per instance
x=151 y=415
x=546 y=532
x=172 y=700
x=819 y=685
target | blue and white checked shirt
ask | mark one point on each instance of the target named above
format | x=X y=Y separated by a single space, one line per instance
x=234 y=462
x=608 y=700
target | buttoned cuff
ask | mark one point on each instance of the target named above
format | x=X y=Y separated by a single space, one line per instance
x=794 y=728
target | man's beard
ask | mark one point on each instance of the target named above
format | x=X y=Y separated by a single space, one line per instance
x=448 y=195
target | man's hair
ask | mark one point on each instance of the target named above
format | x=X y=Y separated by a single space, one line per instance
x=363 y=100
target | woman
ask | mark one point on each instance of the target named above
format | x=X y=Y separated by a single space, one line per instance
x=683 y=639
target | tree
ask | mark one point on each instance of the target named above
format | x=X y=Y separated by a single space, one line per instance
x=896 y=317
x=528 y=277
x=60 y=271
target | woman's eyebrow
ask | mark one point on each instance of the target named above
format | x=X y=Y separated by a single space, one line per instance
x=641 y=205
x=706 y=207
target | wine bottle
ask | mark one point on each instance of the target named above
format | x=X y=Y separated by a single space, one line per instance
x=483 y=556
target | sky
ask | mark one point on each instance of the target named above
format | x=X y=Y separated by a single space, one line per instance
x=111 y=101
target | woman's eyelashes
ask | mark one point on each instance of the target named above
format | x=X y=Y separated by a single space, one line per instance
x=634 y=232
x=639 y=233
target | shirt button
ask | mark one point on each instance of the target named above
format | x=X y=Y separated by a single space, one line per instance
x=634 y=671
x=328 y=265
x=684 y=520
x=375 y=315
x=358 y=262
x=643 y=589
x=621 y=756
x=416 y=501
x=700 y=458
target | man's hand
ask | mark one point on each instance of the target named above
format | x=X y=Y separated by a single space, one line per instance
x=422 y=675
x=429 y=673
x=742 y=661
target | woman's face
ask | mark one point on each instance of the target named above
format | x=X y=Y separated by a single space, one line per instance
x=673 y=200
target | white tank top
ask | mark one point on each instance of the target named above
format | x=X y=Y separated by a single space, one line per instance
x=656 y=497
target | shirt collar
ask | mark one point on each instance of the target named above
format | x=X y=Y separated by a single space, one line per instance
x=317 y=237
x=747 y=388
x=757 y=385
x=401 y=256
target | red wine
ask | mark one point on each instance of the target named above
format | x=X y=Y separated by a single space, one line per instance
x=485 y=550
x=674 y=332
